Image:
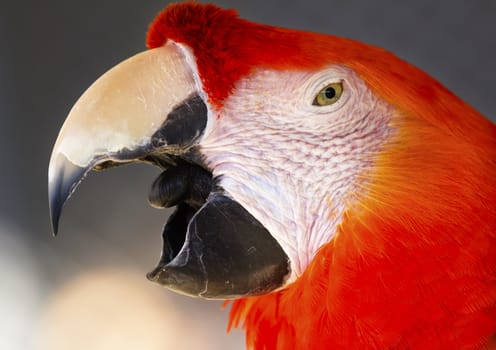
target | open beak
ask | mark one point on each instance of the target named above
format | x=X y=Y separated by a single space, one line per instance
x=149 y=109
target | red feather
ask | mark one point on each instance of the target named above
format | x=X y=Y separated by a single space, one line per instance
x=413 y=265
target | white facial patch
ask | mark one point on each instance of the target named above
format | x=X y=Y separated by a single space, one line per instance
x=291 y=164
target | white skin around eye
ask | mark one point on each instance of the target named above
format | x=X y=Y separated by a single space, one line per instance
x=291 y=164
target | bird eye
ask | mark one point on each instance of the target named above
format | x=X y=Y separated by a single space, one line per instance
x=329 y=95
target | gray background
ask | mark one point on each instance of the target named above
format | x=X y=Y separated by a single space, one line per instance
x=86 y=289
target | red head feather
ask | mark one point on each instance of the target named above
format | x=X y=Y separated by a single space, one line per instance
x=227 y=48
x=414 y=263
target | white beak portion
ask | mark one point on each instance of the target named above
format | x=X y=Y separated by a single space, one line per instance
x=117 y=116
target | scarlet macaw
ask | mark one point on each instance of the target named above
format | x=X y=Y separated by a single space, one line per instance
x=342 y=197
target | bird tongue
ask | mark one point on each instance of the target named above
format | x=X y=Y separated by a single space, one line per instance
x=186 y=186
x=182 y=183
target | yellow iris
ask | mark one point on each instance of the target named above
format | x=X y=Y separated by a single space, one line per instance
x=329 y=94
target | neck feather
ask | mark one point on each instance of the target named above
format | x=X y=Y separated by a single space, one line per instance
x=413 y=264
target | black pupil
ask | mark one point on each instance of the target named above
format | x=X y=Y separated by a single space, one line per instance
x=330 y=92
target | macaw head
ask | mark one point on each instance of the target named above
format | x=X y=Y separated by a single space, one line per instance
x=268 y=139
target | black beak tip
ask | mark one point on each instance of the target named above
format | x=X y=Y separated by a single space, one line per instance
x=55 y=211
x=152 y=276
x=64 y=178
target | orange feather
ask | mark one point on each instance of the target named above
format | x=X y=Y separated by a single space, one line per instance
x=413 y=265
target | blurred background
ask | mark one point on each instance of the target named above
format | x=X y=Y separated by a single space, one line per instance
x=87 y=289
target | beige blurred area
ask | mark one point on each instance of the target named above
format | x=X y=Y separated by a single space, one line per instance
x=86 y=289
x=113 y=309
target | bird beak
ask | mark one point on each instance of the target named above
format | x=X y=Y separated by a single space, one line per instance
x=149 y=108
x=126 y=115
